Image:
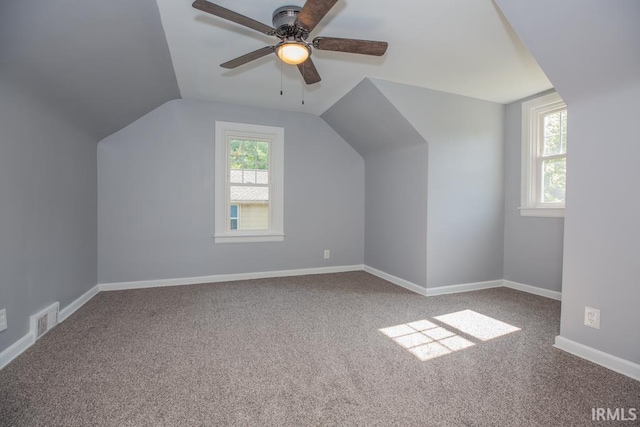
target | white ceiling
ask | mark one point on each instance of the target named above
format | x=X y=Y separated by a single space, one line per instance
x=459 y=46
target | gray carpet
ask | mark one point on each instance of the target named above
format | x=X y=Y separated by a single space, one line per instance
x=306 y=351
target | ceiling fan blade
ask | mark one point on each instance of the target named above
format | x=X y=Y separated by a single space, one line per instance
x=309 y=72
x=363 y=47
x=232 y=16
x=251 y=56
x=312 y=12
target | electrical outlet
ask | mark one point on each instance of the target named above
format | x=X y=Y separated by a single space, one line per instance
x=592 y=317
x=327 y=254
x=3 y=319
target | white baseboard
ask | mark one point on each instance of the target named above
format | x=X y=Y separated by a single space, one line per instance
x=26 y=341
x=533 y=290
x=452 y=289
x=226 y=278
x=396 y=280
x=79 y=302
x=609 y=361
x=466 y=287
x=16 y=349
x=601 y=358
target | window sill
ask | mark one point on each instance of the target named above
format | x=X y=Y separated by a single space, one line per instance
x=248 y=238
x=543 y=212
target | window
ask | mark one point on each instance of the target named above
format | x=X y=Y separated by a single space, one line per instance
x=233 y=216
x=249 y=183
x=544 y=156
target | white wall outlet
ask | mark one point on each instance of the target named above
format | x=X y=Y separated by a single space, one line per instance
x=592 y=317
x=327 y=254
x=3 y=319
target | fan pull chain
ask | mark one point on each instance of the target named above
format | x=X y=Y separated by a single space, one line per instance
x=280 y=78
x=303 y=78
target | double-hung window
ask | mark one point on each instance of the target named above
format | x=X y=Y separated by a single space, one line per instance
x=544 y=156
x=249 y=183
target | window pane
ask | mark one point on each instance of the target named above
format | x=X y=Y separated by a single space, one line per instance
x=262 y=155
x=249 y=163
x=233 y=215
x=249 y=176
x=235 y=175
x=262 y=176
x=555 y=133
x=256 y=217
x=253 y=216
x=248 y=154
x=554 y=176
x=236 y=155
x=563 y=133
x=249 y=194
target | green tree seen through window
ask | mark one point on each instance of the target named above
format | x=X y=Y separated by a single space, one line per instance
x=249 y=154
x=554 y=163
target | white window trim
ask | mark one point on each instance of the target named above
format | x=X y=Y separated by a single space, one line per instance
x=531 y=112
x=275 y=135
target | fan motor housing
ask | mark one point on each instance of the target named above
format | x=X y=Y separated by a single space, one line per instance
x=284 y=19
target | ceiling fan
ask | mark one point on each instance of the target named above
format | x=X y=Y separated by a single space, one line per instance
x=292 y=25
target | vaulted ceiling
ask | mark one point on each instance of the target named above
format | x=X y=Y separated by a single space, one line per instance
x=106 y=64
x=458 y=46
x=100 y=64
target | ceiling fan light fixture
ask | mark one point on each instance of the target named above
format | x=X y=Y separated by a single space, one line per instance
x=293 y=53
x=292 y=25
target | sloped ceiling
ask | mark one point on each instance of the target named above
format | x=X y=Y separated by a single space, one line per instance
x=590 y=44
x=369 y=122
x=105 y=64
x=457 y=46
x=102 y=64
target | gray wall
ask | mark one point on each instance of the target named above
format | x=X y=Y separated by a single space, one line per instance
x=465 y=215
x=156 y=199
x=395 y=157
x=532 y=245
x=47 y=208
x=396 y=212
x=601 y=248
x=105 y=63
x=71 y=73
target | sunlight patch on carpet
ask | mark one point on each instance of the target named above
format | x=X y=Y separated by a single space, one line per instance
x=477 y=325
x=427 y=340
